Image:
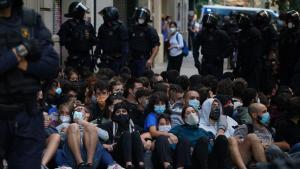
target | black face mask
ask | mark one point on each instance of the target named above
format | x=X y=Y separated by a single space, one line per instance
x=122 y=120
x=228 y=110
x=215 y=114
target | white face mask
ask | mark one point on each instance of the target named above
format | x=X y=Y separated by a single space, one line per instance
x=192 y=119
x=290 y=25
x=164 y=128
x=141 y=21
x=172 y=30
x=65 y=119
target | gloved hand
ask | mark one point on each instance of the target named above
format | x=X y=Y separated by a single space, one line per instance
x=222 y=123
x=34 y=53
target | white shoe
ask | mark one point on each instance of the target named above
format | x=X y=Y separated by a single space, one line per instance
x=115 y=166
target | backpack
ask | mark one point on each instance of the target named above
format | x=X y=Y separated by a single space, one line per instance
x=185 y=49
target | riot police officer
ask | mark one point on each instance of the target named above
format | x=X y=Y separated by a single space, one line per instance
x=26 y=57
x=270 y=38
x=215 y=46
x=144 y=42
x=112 y=45
x=289 y=47
x=249 y=59
x=78 y=36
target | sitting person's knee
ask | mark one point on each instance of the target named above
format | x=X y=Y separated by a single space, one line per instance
x=73 y=128
x=55 y=137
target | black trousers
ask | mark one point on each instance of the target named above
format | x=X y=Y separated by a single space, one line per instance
x=215 y=69
x=129 y=148
x=175 y=62
x=200 y=158
x=217 y=159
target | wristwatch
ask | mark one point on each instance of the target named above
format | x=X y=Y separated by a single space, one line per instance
x=21 y=51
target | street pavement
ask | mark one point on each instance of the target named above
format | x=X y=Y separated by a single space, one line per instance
x=187 y=67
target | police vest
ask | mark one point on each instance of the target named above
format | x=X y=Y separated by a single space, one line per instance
x=15 y=84
x=139 y=40
x=110 y=38
x=79 y=36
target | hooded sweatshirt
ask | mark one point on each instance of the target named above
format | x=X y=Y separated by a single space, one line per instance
x=205 y=123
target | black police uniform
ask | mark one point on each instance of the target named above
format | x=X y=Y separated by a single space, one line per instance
x=289 y=49
x=78 y=36
x=270 y=39
x=215 y=46
x=143 y=38
x=21 y=125
x=249 y=59
x=112 y=45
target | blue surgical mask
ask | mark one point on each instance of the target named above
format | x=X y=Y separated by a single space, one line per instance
x=58 y=90
x=159 y=109
x=78 y=115
x=265 y=118
x=194 y=103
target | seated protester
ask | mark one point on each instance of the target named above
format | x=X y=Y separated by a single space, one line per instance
x=241 y=114
x=72 y=75
x=131 y=87
x=260 y=122
x=213 y=120
x=142 y=97
x=288 y=128
x=207 y=151
x=53 y=95
x=238 y=87
x=109 y=107
x=192 y=98
x=70 y=92
x=161 y=87
x=82 y=148
x=101 y=94
x=116 y=86
x=227 y=104
x=176 y=104
x=52 y=141
x=145 y=81
x=124 y=142
x=164 y=125
x=158 y=104
x=156 y=78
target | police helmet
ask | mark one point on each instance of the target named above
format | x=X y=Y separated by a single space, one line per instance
x=110 y=14
x=75 y=8
x=262 y=18
x=12 y=3
x=142 y=13
x=292 y=17
x=210 y=20
x=5 y=3
x=243 y=21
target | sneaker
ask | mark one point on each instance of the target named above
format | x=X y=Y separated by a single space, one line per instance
x=81 y=166
x=169 y=167
x=44 y=167
x=89 y=166
x=115 y=166
x=129 y=167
